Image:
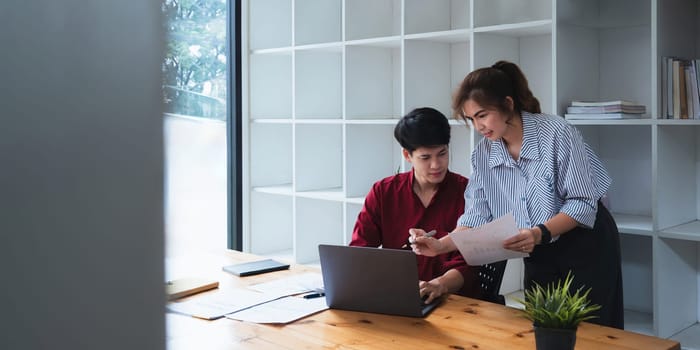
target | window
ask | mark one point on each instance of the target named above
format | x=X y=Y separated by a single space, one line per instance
x=194 y=70
x=201 y=156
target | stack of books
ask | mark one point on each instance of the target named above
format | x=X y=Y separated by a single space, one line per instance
x=619 y=109
x=680 y=88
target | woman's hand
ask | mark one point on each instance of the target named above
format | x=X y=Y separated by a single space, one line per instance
x=524 y=241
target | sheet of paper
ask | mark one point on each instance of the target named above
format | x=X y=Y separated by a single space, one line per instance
x=216 y=305
x=283 y=310
x=484 y=244
x=305 y=282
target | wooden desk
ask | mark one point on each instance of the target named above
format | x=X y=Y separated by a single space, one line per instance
x=459 y=323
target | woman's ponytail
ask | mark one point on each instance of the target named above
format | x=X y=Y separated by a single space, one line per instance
x=523 y=97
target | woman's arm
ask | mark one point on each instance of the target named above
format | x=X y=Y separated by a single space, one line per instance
x=528 y=238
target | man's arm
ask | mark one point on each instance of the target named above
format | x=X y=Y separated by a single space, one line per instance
x=450 y=282
x=367 y=232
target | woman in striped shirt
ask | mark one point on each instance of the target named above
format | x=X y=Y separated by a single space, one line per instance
x=538 y=167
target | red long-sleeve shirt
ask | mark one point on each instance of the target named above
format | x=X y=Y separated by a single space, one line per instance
x=391 y=208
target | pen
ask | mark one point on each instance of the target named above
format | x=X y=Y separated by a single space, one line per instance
x=313 y=295
x=408 y=242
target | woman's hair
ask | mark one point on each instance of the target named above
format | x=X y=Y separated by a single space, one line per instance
x=422 y=127
x=490 y=86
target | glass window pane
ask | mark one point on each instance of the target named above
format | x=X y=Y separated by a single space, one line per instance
x=195 y=98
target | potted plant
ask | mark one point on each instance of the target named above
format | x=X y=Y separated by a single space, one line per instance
x=556 y=313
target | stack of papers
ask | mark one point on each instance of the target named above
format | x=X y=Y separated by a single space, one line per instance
x=269 y=302
x=283 y=310
x=220 y=303
x=619 y=109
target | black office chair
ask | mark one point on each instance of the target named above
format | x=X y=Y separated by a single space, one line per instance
x=490 y=278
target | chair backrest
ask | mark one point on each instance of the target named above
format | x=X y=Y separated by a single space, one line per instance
x=490 y=278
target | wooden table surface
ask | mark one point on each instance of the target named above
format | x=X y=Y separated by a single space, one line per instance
x=458 y=323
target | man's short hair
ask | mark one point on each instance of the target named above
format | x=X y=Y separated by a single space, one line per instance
x=422 y=127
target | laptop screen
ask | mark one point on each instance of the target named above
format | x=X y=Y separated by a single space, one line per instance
x=372 y=280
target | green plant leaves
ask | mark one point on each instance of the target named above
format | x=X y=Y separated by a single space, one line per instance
x=556 y=307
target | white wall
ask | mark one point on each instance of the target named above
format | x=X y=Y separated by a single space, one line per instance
x=81 y=175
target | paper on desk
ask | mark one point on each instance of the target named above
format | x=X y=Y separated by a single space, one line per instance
x=484 y=244
x=216 y=305
x=305 y=282
x=282 y=310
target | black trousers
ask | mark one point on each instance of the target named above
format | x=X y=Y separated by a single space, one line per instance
x=593 y=256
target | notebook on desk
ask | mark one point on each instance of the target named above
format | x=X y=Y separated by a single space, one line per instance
x=372 y=280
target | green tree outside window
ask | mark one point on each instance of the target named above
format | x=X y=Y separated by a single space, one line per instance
x=194 y=68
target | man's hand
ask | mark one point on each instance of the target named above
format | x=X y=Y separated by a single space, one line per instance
x=424 y=244
x=431 y=290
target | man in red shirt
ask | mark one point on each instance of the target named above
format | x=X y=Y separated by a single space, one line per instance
x=428 y=196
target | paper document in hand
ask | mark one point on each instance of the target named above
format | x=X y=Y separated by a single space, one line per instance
x=484 y=244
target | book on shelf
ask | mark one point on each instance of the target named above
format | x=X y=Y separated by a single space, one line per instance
x=676 y=89
x=692 y=88
x=679 y=88
x=606 y=109
x=604 y=103
x=683 y=92
x=664 y=83
x=601 y=116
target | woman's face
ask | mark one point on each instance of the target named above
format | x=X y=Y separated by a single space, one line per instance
x=488 y=121
x=429 y=163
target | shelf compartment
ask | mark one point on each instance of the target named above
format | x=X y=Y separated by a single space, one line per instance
x=637 y=280
x=531 y=52
x=318 y=222
x=352 y=210
x=678 y=32
x=460 y=149
x=519 y=29
x=689 y=231
x=496 y=12
x=269 y=236
x=371 y=155
x=433 y=71
x=450 y=36
x=285 y=190
x=677 y=285
x=373 y=82
x=318 y=84
x=513 y=278
x=604 y=53
x=678 y=174
x=634 y=224
x=329 y=194
x=626 y=154
x=604 y=13
x=372 y=18
x=689 y=337
x=356 y=200
x=318 y=157
x=317 y=21
x=639 y=322
x=270 y=154
x=271 y=86
x=270 y=24
x=433 y=16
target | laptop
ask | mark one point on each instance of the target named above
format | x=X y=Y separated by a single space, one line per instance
x=373 y=280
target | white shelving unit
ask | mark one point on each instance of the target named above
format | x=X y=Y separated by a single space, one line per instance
x=326 y=81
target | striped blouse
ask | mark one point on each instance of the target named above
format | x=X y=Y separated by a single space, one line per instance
x=557 y=172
